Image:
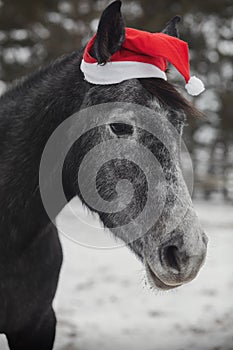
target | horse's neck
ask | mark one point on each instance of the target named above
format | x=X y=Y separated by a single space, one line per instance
x=29 y=114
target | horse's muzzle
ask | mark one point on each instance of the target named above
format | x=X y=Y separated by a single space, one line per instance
x=176 y=263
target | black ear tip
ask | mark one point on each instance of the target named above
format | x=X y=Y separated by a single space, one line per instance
x=176 y=19
x=115 y=4
x=171 y=27
x=112 y=9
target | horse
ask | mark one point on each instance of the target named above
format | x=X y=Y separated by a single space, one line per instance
x=30 y=250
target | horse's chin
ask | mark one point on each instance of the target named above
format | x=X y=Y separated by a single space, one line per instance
x=156 y=282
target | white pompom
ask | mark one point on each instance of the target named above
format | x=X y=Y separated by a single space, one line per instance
x=194 y=86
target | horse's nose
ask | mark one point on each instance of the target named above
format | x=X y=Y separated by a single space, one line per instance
x=180 y=263
x=173 y=258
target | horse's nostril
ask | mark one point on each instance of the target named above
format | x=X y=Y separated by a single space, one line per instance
x=179 y=262
x=171 y=257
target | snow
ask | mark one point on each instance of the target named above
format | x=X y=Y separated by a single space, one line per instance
x=17 y=54
x=102 y=302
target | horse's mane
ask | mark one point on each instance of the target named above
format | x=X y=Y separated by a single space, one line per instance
x=168 y=95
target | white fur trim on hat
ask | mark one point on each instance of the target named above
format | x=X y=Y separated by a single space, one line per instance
x=116 y=72
x=194 y=86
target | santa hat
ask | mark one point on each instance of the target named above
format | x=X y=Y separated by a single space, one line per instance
x=142 y=55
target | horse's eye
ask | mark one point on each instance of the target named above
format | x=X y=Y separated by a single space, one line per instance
x=121 y=129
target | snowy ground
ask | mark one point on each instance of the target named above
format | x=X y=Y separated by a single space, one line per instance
x=102 y=302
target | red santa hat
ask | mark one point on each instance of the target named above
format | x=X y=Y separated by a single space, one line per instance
x=142 y=55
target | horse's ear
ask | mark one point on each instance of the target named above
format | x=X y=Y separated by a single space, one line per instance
x=110 y=34
x=171 y=27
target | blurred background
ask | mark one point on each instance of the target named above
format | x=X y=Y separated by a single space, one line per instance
x=101 y=301
x=33 y=33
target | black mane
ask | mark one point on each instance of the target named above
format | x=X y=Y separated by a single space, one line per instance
x=168 y=95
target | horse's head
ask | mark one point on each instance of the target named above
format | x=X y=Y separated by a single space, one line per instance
x=137 y=166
